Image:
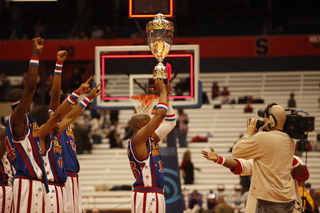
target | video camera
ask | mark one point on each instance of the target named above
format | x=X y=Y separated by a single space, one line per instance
x=295 y=126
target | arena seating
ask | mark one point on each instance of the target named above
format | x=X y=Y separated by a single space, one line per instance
x=109 y=167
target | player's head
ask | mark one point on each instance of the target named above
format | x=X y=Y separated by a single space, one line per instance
x=14 y=98
x=139 y=120
x=42 y=114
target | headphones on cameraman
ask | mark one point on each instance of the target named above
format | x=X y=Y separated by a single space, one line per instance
x=272 y=121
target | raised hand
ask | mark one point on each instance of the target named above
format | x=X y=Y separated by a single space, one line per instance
x=62 y=55
x=213 y=156
x=95 y=92
x=159 y=85
x=37 y=47
x=85 y=87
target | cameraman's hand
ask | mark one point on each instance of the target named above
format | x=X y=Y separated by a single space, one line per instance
x=210 y=155
x=251 y=126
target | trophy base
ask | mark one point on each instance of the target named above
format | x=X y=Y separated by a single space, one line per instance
x=166 y=82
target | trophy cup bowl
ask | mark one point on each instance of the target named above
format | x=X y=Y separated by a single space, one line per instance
x=160 y=37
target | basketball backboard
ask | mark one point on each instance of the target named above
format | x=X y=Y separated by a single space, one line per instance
x=124 y=71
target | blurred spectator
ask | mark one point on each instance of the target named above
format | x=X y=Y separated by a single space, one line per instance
x=5 y=87
x=205 y=99
x=3 y=121
x=96 y=32
x=95 y=210
x=198 y=138
x=75 y=80
x=82 y=35
x=222 y=207
x=135 y=34
x=181 y=85
x=221 y=192
x=198 y=196
x=308 y=188
x=225 y=95
x=24 y=36
x=113 y=134
x=95 y=129
x=182 y=128
x=109 y=33
x=21 y=83
x=291 y=101
x=234 y=199
x=39 y=30
x=16 y=13
x=128 y=131
x=215 y=91
x=114 y=114
x=248 y=108
x=316 y=200
x=302 y=145
x=307 y=200
x=14 y=35
x=193 y=206
x=187 y=168
x=211 y=200
x=179 y=92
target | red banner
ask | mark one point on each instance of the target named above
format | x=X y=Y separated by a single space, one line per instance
x=210 y=47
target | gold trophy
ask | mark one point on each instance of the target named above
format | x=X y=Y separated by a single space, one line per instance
x=160 y=37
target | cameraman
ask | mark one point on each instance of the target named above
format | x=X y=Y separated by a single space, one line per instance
x=272 y=152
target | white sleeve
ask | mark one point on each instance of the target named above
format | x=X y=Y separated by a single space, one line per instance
x=246 y=166
x=168 y=124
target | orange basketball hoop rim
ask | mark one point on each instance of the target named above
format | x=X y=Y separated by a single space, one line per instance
x=144 y=103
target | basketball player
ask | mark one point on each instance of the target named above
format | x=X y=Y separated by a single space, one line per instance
x=144 y=155
x=71 y=164
x=6 y=174
x=51 y=146
x=23 y=144
x=244 y=167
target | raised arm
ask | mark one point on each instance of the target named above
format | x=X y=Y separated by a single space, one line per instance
x=146 y=131
x=226 y=162
x=62 y=110
x=2 y=140
x=75 y=112
x=17 y=118
x=56 y=85
x=168 y=124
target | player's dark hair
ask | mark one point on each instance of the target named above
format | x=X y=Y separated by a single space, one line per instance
x=40 y=114
x=14 y=96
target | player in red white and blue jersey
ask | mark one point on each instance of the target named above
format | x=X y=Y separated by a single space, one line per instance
x=66 y=137
x=6 y=175
x=144 y=154
x=22 y=143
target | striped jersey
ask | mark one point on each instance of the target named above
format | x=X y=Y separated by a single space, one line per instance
x=6 y=171
x=69 y=152
x=147 y=171
x=24 y=153
x=53 y=161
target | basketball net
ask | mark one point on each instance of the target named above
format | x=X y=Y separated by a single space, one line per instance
x=144 y=103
